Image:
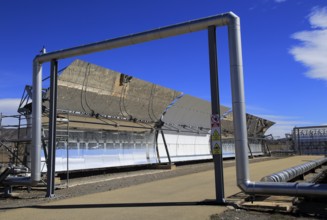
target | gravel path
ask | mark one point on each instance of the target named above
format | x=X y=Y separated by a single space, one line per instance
x=99 y=183
x=107 y=182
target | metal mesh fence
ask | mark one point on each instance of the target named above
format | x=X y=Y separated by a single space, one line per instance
x=311 y=140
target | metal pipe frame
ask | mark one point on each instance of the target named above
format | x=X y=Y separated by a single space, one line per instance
x=237 y=86
x=178 y=29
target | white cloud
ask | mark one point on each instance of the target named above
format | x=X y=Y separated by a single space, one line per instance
x=312 y=50
x=284 y=124
x=278 y=117
x=279 y=131
x=254 y=108
x=318 y=17
x=9 y=107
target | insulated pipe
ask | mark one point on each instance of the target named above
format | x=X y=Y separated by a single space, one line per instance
x=36 y=123
x=169 y=31
x=238 y=103
x=294 y=172
x=241 y=142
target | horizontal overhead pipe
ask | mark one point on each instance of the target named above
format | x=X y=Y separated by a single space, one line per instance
x=164 y=32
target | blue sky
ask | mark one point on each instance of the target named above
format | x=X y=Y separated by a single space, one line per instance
x=284 y=49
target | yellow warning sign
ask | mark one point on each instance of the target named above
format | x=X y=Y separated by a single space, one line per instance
x=215 y=136
x=216 y=149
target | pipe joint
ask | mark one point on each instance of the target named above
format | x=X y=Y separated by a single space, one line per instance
x=233 y=19
x=246 y=185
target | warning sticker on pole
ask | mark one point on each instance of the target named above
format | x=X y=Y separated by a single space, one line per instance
x=215 y=122
x=216 y=145
x=215 y=136
x=216 y=149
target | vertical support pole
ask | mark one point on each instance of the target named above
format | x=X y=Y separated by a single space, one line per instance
x=67 y=142
x=166 y=147
x=299 y=141
x=156 y=144
x=266 y=146
x=295 y=143
x=52 y=130
x=0 y=122
x=67 y=160
x=36 y=124
x=250 y=150
x=215 y=106
x=17 y=144
x=44 y=146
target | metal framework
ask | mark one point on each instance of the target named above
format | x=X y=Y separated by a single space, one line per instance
x=238 y=100
x=310 y=140
x=192 y=26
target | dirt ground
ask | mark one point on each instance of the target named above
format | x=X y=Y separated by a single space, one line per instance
x=106 y=182
x=239 y=214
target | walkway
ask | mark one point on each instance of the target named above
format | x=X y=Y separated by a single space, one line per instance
x=174 y=198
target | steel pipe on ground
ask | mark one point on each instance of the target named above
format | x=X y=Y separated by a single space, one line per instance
x=294 y=172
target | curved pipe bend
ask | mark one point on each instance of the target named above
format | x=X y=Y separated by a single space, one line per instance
x=241 y=137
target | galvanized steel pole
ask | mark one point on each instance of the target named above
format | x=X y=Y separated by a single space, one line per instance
x=51 y=162
x=215 y=108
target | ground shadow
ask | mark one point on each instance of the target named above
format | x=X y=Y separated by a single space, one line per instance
x=122 y=205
